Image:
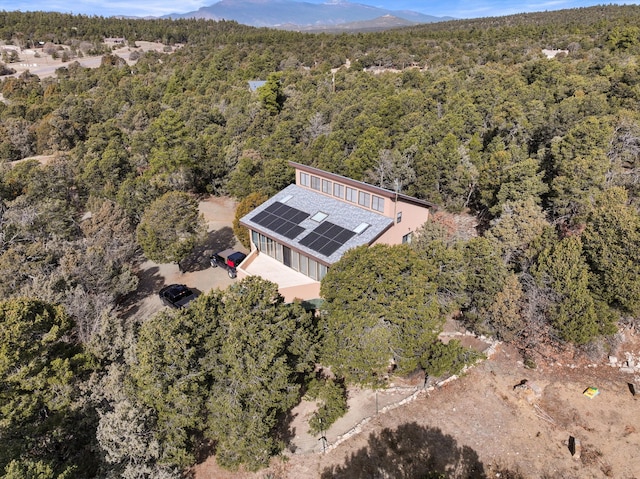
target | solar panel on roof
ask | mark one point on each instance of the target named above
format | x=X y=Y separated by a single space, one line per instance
x=310 y=238
x=317 y=242
x=281 y=219
x=271 y=222
x=334 y=231
x=299 y=216
x=329 y=248
x=324 y=227
x=290 y=230
x=327 y=238
x=259 y=217
x=294 y=232
x=281 y=226
x=272 y=208
x=343 y=237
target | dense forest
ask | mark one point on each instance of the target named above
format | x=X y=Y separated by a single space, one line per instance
x=470 y=115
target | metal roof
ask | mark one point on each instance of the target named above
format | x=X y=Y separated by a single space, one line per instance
x=255 y=84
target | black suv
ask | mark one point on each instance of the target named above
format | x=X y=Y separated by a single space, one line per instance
x=177 y=295
x=228 y=259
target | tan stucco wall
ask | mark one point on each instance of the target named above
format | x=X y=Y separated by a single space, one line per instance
x=306 y=291
x=288 y=285
x=413 y=217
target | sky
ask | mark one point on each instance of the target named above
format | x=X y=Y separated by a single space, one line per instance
x=438 y=8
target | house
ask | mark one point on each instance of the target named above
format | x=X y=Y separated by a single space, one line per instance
x=300 y=232
x=255 y=84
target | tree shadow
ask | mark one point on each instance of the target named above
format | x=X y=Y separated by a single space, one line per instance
x=284 y=432
x=149 y=283
x=214 y=241
x=408 y=452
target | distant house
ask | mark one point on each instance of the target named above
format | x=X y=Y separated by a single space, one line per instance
x=300 y=232
x=115 y=40
x=552 y=53
x=254 y=85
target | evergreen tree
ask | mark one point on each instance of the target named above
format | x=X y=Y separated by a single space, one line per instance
x=381 y=310
x=170 y=228
x=44 y=428
x=224 y=370
x=612 y=249
x=563 y=272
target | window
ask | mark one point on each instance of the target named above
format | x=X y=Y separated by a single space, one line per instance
x=351 y=194
x=271 y=248
x=319 y=216
x=406 y=239
x=313 y=269
x=326 y=187
x=304 y=263
x=361 y=228
x=323 y=271
x=315 y=182
x=377 y=203
x=399 y=217
x=338 y=190
x=363 y=199
x=304 y=179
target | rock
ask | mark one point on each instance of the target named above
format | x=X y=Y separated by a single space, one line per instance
x=528 y=390
x=631 y=361
x=613 y=360
x=575 y=447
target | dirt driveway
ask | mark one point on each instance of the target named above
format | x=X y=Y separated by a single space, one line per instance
x=197 y=273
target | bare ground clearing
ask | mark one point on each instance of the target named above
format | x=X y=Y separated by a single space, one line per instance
x=197 y=272
x=39 y=63
x=478 y=421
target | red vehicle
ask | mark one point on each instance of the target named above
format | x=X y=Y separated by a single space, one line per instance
x=228 y=259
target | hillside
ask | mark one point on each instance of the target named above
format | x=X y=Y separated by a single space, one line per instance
x=524 y=131
x=480 y=425
x=301 y=15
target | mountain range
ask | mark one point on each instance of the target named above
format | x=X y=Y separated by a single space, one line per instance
x=295 y=15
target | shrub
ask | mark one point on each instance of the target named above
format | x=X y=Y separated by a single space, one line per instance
x=333 y=398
